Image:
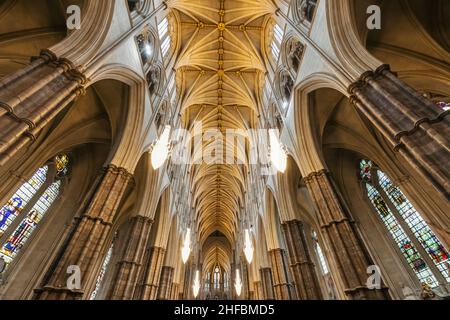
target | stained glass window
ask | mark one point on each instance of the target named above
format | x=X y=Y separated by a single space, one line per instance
x=208 y=281
x=103 y=270
x=20 y=199
x=444 y=105
x=217 y=278
x=62 y=164
x=412 y=241
x=225 y=280
x=23 y=232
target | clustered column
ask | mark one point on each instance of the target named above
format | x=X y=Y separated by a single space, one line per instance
x=280 y=278
x=32 y=97
x=267 y=283
x=302 y=267
x=151 y=276
x=87 y=240
x=413 y=125
x=339 y=232
x=165 y=283
x=129 y=267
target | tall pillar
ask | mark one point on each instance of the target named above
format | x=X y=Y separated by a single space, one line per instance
x=414 y=126
x=87 y=240
x=129 y=267
x=32 y=97
x=188 y=271
x=165 y=283
x=303 y=269
x=175 y=291
x=259 y=292
x=149 y=286
x=280 y=278
x=267 y=283
x=349 y=253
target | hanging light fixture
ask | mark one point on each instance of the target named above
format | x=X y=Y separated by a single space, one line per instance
x=277 y=154
x=248 y=247
x=160 y=151
x=186 y=250
x=238 y=283
x=196 y=286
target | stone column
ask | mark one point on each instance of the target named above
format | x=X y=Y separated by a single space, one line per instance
x=32 y=97
x=259 y=292
x=267 y=283
x=165 y=283
x=245 y=281
x=175 y=291
x=186 y=294
x=149 y=286
x=413 y=125
x=303 y=269
x=280 y=279
x=349 y=253
x=87 y=240
x=129 y=267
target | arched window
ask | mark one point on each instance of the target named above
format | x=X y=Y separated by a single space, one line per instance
x=20 y=216
x=103 y=270
x=225 y=281
x=320 y=255
x=164 y=36
x=276 y=42
x=208 y=282
x=418 y=244
x=216 y=278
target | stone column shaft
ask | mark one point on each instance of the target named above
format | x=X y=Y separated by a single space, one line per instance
x=349 y=253
x=149 y=287
x=259 y=292
x=88 y=239
x=281 y=284
x=165 y=283
x=413 y=125
x=267 y=283
x=303 y=269
x=175 y=291
x=130 y=266
x=32 y=97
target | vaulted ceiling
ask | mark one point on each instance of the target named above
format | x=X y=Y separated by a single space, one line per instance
x=221 y=67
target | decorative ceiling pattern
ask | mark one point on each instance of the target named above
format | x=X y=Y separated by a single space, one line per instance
x=222 y=69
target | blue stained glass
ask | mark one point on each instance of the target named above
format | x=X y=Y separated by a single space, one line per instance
x=23 y=232
x=426 y=237
x=404 y=243
x=20 y=199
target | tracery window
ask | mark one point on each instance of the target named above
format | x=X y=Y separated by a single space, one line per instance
x=320 y=255
x=216 y=282
x=276 y=42
x=423 y=251
x=208 y=282
x=164 y=36
x=225 y=281
x=103 y=270
x=21 y=215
